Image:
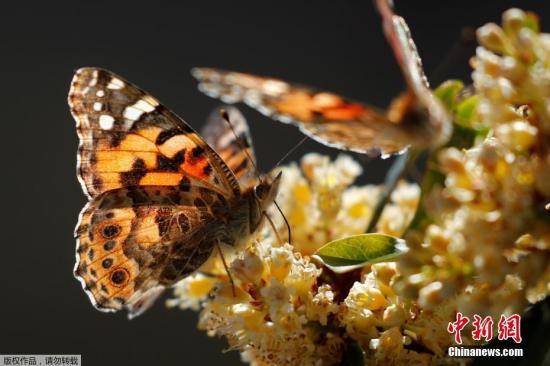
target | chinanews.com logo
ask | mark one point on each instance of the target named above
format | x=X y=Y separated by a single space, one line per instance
x=508 y=327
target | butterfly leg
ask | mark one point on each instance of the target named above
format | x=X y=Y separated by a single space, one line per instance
x=226 y=269
x=286 y=222
x=273 y=227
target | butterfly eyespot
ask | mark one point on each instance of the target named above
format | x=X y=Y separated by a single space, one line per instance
x=107 y=263
x=110 y=231
x=119 y=277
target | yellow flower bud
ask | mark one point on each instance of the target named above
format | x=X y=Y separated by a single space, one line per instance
x=513 y=20
x=492 y=37
x=518 y=135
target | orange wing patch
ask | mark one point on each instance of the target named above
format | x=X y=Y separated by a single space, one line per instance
x=305 y=107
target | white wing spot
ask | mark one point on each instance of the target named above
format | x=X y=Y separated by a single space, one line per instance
x=115 y=84
x=93 y=82
x=97 y=106
x=106 y=122
x=145 y=105
x=134 y=112
x=100 y=93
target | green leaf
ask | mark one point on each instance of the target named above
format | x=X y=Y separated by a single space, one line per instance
x=344 y=255
x=448 y=93
x=466 y=109
x=353 y=355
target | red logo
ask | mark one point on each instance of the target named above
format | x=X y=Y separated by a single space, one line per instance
x=483 y=328
x=457 y=326
x=508 y=327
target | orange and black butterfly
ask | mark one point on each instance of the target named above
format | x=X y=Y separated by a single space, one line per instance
x=161 y=198
x=415 y=118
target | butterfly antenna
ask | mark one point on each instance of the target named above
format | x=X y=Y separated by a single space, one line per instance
x=291 y=151
x=225 y=116
x=274 y=201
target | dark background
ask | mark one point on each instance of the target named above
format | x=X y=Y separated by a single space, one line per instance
x=337 y=45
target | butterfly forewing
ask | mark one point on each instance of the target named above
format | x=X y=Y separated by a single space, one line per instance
x=127 y=138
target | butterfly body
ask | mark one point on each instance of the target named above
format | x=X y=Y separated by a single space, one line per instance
x=161 y=198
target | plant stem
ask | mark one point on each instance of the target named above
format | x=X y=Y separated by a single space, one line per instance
x=395 y=172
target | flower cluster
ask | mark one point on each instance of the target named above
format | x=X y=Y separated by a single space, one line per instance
x=276 y=314
x=489 y=239
x=288 y=310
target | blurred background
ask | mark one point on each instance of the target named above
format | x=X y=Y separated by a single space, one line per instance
x=334 y=45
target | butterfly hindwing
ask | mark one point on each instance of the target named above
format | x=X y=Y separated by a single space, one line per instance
x=232 y=142
x=129 y=139
x=132 y=242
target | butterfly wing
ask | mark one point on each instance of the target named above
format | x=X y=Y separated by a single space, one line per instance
x=129 y=139
x=326 y=117
x=233 y=143
x=134 y=242
x=399 y=37
x=415 y=118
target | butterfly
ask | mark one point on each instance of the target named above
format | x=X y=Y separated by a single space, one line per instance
x=161 y=197
x=415 y=118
